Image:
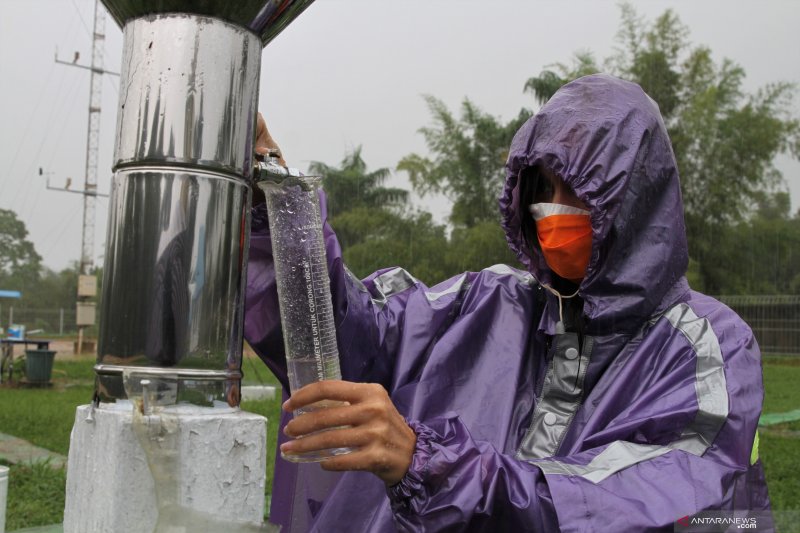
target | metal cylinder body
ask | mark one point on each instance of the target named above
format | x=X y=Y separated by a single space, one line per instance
x=177 y=237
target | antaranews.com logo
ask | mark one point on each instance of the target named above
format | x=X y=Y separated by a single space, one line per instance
x=728 y=521
x=714 y=521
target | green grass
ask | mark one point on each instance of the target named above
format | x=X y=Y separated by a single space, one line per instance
x=45 y=417
x=779 y=450
x=781 y=458
x=782 y=386
x=35 y=496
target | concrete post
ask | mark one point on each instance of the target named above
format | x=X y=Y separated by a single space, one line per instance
x=200 y=469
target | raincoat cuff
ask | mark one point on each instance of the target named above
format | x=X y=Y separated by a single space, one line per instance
x=259 y=221
x=404 y=491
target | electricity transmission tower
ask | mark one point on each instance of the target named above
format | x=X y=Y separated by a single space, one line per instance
x=87 y=285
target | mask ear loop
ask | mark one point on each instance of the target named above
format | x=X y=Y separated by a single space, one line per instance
x=560 y=326
x=531 y=184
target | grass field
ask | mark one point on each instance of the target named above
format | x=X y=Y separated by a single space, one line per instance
x=780 y=445
x=45 y=417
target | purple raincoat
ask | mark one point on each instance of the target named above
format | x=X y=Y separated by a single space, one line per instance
x=625 y=408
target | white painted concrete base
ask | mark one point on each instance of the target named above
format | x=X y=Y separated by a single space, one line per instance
x=210 y=464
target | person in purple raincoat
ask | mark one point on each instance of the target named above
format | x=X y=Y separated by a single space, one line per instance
x=593 y=392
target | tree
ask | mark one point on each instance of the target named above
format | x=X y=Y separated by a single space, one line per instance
x=374 y=226
x=19 y=263
x=545 y=85
x=759 y=255
x=725 y=141
x=377 y=238
x=467 y=160
x=351 y=186
x=650 y=55
x=478 y=247
x=54 y=290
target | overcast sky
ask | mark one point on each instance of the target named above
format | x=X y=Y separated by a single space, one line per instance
x=346 y=73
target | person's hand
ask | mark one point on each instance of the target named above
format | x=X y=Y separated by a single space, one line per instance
x=265 y=142
x=365 y=420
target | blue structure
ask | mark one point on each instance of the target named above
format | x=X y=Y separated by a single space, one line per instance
x=10 y=294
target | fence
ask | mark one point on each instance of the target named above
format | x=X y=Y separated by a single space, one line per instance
x=774 y=319
x=50 y=321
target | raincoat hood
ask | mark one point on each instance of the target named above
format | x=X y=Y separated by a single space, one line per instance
x=606 y=139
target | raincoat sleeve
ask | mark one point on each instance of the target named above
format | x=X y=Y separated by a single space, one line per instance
x=679 y=445
x=370 y=316
x=457 y=483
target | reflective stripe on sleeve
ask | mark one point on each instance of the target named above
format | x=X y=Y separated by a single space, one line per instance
x=454 y=288
x=618 y=456
x=398 y=279
x=709 y=384
x=394 y=281
x=387 y=284
x=521 y=276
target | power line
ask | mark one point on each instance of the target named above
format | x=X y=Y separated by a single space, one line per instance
x=88 y=33
x=33 y=121
x=64 y=226
x=92 y=149
x=28 y=126
x=45 y=141
x=93 y=133
x=80 y=16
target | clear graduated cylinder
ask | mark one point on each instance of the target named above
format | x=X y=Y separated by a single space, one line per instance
x=304 y=296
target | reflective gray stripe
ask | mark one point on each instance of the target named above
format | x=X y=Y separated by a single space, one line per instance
x=387 y=284
x=394 y=281
x=560 y=399
x=455 y=287
x=378 y=302
x=397 y=280
x=712 y=400
x=522 y=277
x=710 y=385
x=618 y=456
x=357 y=282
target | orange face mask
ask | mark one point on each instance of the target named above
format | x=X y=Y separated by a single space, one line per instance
x=565 y=236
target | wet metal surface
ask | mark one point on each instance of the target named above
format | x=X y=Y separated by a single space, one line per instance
x=176 y=247
x=188 y=94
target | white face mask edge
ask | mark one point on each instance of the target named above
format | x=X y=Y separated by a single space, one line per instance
x=541 y=210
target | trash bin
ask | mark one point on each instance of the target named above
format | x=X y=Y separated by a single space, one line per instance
x=39 y=365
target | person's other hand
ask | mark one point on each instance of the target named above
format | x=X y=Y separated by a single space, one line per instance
x=365 y=420
x=265 y=142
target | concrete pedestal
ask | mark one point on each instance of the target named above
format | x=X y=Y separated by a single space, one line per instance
x=209 y=467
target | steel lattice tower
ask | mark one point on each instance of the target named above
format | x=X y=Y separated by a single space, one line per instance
x=93 y=140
